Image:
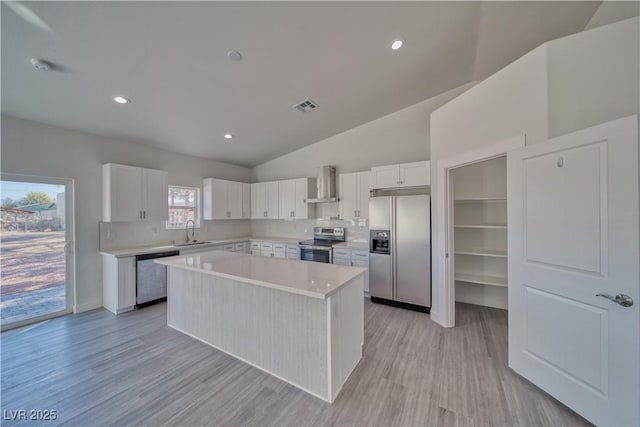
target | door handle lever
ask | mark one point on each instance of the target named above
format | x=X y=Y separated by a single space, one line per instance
x=622 y=299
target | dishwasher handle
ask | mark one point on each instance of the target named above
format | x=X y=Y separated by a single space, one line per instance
x=156 y=255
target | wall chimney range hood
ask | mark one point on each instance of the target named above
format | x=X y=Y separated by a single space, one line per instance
x=326 y=185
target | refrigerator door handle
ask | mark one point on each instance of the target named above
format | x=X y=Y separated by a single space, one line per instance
x=394 y=273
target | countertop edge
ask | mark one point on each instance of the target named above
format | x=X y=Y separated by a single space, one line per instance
x=271 y=285
x=129 y=252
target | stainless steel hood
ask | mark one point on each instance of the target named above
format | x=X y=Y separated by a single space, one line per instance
x=326 y=184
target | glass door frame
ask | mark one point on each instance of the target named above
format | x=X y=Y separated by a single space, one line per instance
x=69 y=245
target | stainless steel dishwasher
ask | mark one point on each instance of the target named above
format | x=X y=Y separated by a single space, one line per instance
x=151 y=279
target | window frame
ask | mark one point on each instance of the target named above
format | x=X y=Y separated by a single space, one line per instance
x=197 y=213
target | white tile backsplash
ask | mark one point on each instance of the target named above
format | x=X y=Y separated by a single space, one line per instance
x=357 y=231
x=122 y=235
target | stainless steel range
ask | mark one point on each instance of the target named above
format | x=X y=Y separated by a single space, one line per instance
x=320 y=249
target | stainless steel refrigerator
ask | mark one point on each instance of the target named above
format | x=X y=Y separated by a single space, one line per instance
x=400 y=248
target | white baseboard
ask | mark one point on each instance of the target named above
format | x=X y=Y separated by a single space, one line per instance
x=91 y=305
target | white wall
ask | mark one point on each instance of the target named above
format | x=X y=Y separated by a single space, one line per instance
x=37 y=149
x=562 y=86
x=399 y=137
x=593 y=77
x=613 y=11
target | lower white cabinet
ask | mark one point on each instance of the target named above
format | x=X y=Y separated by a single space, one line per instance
x=118 y=283
x=242 y=247
x=293 y=252
x=254 y=248
x=266 y=248
x=354 y=258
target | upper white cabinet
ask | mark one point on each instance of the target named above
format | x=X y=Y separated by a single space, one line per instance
x=134 y=194
x=265 y=200
x=293 y=195
x=402 y=175
x=226 y=199
x=246 y=200
x=354 y=194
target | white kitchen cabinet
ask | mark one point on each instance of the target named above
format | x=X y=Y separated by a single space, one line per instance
x=353 y=258
x=265 y=200
x=266 y=248
x=279 y=250
x=241 y=247
x=354 y=194
x=293 y=195
x=118 y=283
x=293 y=252
x=225 y=199
x=360 y=258
x=402 y=175
x=131 y=193
x=246 y=200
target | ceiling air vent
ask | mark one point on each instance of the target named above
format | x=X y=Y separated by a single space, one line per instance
x=306 y=106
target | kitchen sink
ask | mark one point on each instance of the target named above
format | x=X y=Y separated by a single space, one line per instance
x=191 y=243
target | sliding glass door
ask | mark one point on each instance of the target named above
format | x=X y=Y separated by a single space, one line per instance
x=36 y=249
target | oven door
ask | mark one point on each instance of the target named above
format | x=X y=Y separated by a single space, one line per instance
x=313 y=253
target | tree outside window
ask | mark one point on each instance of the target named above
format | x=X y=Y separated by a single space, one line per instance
x=184 y=205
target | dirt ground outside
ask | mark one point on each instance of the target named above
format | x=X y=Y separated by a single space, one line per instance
x=31 y=261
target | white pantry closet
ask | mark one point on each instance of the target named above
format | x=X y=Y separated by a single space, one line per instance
x=480 y=232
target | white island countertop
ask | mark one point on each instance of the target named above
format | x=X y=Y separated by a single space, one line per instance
x=313 y=279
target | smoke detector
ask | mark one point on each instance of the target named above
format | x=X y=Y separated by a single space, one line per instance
x=41 y=64
x=306 y=106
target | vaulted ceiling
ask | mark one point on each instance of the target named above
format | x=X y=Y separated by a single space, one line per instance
x=170 y=59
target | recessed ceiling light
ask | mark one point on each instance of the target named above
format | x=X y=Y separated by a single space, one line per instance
x=397 y=44
x=121 y=99
x=234 y=55
x=228 y=136
x=41 y=64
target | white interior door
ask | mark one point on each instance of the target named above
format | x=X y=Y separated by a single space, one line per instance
x=573 y=233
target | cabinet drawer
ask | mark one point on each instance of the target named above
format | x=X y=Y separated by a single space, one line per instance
x=280 y=247
x=266 y=246
x=279 y=255
x=241 y=246
x=360 y=263
x=342 y=253
x=358 y=255
x=229 y=247
x=291 y=248
x=255 y=245
x=342 y=261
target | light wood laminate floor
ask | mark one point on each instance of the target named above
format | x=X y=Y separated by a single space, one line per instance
x=98 y=369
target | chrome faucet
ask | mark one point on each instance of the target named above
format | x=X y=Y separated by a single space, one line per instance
x=193 y=230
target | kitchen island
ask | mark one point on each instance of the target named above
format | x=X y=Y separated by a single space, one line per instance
x=300 y=321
